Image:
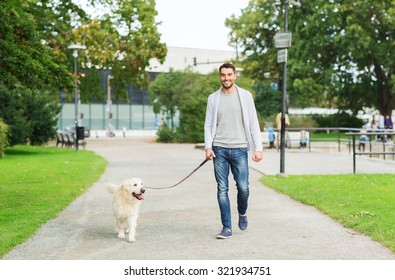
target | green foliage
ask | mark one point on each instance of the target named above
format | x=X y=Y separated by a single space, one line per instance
x=3 y=137
x=30 y=114
x=37 y=183
x=341 y=54
x=192 y=99
x=267 y=100
x=35 y=37
x=359 y=201
x=24 y=60
x=166 y=134
x=90 y=86
x=124 y=38
x=338 y=120
x=162 y=93
x=301 y=121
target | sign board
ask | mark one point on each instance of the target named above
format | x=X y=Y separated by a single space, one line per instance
x=282 y=56
x=283 y=40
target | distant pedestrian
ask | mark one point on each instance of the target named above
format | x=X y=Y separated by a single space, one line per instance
x=271 y=137
x=303 y=139
x=363 y=138
x=388 y=122
x=162 y=123
x=287 y=124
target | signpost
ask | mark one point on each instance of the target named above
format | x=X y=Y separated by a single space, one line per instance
x=282 y=56
x=283 y=40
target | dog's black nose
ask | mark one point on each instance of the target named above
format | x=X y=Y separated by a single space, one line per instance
x=142 y=190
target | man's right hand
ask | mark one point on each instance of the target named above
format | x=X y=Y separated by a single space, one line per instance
x=209 y=154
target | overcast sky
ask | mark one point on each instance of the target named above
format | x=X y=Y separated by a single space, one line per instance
x=197 y=24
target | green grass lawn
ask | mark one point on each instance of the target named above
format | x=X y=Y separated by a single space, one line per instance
x=36 y=183
x=365 y=203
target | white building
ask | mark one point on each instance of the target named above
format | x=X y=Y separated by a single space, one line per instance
x=179 y=58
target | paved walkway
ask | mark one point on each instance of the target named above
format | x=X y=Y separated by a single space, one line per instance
x=181 y=223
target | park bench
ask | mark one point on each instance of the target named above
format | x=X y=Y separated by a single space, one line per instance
x=60 y=139
x=292 y=140
x=67 y=139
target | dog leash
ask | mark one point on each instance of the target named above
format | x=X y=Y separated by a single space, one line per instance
x=189 y=175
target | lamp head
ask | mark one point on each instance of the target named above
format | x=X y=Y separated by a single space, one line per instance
x=295 y=3
x=75 y=48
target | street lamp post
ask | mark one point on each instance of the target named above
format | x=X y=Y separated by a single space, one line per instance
x=75 y=48
x=109 y=102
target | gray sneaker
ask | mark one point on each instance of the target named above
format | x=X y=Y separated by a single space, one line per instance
x=225 y=233
x=243 y=222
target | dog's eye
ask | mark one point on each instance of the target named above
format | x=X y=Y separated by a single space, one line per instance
x=135 y=185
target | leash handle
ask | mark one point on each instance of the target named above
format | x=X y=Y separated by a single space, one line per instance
x=186 y=177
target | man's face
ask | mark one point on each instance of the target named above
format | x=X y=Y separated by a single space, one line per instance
x=227 y=77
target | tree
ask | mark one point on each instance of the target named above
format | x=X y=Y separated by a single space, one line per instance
x=34 y=49
x=123 y=39
x=342 y=48
x=267 y=100
x=24 y=60
x=162 y=92
x=191 y=100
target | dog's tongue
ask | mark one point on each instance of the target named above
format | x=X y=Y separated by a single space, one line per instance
x=139 y=196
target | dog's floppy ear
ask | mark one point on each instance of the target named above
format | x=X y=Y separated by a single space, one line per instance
x=111 y=187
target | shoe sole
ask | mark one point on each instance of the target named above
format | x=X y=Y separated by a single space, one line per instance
x=223 y=237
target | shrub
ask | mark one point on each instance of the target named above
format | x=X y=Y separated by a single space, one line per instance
x=302 y=121
x=338 y=120
x=30 y=115
x=165 y=134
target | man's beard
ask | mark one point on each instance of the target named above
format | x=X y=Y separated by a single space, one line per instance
x=227 y=87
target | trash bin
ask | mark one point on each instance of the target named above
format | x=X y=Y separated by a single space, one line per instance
x=80 y=133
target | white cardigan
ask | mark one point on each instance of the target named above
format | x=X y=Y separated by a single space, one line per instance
x=250 y=120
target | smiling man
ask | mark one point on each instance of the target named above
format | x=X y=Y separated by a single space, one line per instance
x=231 y=129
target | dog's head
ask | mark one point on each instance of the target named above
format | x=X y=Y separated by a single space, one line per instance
x=135 y=187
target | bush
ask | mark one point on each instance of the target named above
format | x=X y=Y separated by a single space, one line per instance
x=30 y=115
x=302 y=121
x=3 y=137
x=166 y=134
x=338 y=120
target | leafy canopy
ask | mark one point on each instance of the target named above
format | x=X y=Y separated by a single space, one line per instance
x=342 y=50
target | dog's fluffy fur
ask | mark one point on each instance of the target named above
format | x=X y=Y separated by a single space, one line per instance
x=126 y=201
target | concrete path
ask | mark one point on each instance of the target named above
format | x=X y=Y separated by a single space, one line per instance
x=181 y=223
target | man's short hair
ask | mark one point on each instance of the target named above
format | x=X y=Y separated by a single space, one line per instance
x=227 y=65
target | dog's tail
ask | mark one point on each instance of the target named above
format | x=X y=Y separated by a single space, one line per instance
x=111 y=187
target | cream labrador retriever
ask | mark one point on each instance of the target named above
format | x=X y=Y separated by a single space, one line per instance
x=126 y=201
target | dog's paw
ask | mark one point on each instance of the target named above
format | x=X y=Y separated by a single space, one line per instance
x=132 y=240
x=121 y=235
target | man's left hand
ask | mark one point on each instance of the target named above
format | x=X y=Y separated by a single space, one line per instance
x=257 y=156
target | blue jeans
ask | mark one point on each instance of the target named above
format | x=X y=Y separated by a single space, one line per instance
x=237 y=160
